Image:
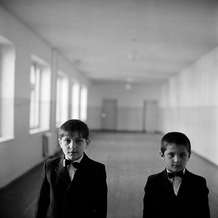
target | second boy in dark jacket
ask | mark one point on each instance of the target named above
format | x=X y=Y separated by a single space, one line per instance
x=175 y=192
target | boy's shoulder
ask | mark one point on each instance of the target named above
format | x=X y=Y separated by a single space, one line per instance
x=157 y=176
x=194 y=177
x=56 y=159
x=93 y=163
x=53 y=160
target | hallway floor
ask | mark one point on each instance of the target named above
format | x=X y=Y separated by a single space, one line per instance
x=129 y=159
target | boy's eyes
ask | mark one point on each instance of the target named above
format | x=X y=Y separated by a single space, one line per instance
x=67 y=141
x=170 y=155
x=77 y=141
x=182 y=155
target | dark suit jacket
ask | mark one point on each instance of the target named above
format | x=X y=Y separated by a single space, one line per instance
x=83 y=197
x=161 y=202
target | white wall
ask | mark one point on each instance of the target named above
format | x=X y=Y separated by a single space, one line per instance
x=25 y=151
x=189 y=103
x=130 y=103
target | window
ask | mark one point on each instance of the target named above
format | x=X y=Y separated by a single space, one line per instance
x=62 y=101
x=39 y=95
x=35 y=72
x=83 y=103
x=75 y=100
x=7 y=81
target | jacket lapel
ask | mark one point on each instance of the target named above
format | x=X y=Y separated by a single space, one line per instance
x=82 y=171
x=183 y=185
x=62 y=175
x=167 y=186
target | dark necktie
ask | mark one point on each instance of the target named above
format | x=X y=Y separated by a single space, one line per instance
x=70 y=162
x=174 y=174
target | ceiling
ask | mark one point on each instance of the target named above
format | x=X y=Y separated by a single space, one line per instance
x=123 y=40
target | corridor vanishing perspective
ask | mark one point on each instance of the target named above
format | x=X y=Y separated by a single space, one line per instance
x=132 y=70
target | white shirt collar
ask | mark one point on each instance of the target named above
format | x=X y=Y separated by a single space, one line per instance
x=77 y=161
x=171 y=172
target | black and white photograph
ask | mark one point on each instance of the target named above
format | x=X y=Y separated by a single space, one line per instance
x=108 y=109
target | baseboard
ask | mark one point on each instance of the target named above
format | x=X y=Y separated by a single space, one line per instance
x=18 y=178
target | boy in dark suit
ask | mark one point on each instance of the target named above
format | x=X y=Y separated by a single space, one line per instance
x=73 y=185
x=175 y=192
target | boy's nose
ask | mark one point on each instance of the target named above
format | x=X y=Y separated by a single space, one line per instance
x=72 y=145
x=176 y=158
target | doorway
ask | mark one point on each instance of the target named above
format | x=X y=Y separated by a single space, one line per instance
x=150 y=116
x=109 y=114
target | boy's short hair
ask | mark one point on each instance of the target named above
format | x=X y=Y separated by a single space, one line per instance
x=177 y=138
x=74 y=125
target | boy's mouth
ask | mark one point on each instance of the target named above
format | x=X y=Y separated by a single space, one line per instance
x=72 y=152
x=176 y=166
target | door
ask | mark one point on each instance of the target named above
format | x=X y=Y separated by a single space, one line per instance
x=109 y=114
x=150 y=116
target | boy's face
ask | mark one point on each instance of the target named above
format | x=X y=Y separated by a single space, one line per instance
x=175 y=157
x=73 y=145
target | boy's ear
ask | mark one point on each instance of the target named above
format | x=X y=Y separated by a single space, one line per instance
x=88 y=141
x=161 y=154
x=189 y=155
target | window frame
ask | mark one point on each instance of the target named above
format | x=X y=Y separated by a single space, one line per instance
x=40 y=95
x=7 y=87
x=75 y=100
x=35 y=93
x=62 y=98
x=83 y=102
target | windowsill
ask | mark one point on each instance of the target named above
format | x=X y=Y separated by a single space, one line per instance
x=5 y=139
x=34 y=131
